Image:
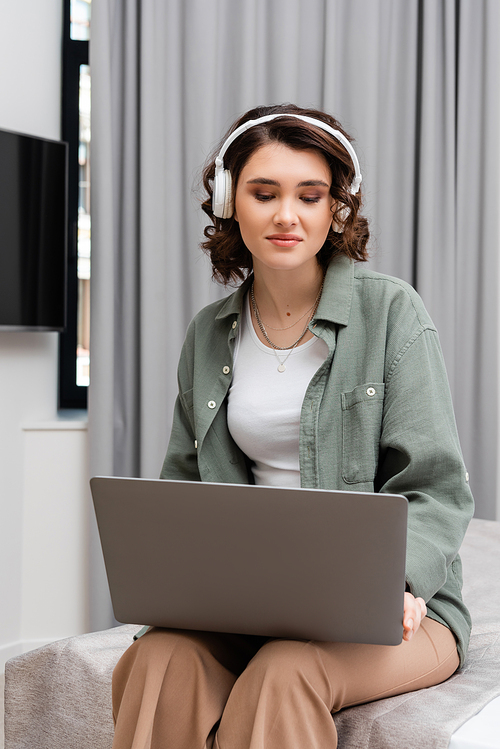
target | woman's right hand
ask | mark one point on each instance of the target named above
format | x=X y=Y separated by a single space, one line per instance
x=414 y=611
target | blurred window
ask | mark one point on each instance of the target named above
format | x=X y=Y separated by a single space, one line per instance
x=74 y=344
x=83 y=238
x=80 y=20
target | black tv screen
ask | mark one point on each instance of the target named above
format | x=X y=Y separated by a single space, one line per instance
x=33 y=232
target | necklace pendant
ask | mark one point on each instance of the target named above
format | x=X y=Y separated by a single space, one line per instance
x=281 y=368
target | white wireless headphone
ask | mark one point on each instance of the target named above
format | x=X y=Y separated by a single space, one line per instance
x=222 y=197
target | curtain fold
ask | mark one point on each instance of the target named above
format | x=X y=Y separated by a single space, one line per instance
x=415 y=82
x=474 y=367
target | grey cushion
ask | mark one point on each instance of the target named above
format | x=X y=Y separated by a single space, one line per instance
x=59 y=696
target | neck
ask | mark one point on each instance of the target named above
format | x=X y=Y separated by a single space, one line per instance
x=282 y=296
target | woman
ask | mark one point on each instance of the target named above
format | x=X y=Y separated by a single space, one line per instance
x=315 y=372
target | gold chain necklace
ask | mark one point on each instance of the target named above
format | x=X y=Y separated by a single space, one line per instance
x=281 y=364
x=270 y=327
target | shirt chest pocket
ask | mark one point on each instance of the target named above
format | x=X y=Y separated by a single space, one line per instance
x=362 y=410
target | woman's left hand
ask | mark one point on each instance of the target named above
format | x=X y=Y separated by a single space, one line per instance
x=414 y=611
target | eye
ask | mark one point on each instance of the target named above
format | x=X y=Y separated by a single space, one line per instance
x=311 y=199
x=263 y=197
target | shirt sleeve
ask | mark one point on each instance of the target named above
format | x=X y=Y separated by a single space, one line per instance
x=420 y=457
x=181 y=461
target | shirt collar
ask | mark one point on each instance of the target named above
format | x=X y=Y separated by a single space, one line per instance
x=234 y=303
x=335 y=302
x=336 y=299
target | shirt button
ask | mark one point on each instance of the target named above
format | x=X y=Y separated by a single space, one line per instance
x=196 y=444
x=234 y=325
x=226 y=370
x=371 y=391
x=211 y=404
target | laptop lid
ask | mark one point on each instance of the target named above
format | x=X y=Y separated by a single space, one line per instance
x=295 y=563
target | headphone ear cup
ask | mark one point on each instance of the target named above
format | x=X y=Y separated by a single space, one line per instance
x=228 y=195
x=222 y=196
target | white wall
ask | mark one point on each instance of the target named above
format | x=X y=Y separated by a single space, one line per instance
x=43 y=461
x=30 y=55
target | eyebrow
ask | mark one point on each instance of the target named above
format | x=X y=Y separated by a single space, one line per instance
x=305 y=183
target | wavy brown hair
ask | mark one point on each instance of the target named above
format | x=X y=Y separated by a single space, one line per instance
x=231 y=260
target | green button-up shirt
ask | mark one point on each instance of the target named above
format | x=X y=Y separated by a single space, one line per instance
x=377 y=416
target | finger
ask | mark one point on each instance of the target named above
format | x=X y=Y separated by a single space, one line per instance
x=422 y=608
x=408 y=630
x=415 y=611
x=412 y=615
x=408 y=625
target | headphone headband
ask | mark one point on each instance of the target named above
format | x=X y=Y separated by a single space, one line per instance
x=222 y=192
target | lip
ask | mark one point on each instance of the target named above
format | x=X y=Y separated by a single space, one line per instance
x=284 y=240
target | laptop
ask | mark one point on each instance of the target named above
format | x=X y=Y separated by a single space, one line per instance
x=294 y=563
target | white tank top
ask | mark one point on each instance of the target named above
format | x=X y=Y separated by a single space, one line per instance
x=264 y=404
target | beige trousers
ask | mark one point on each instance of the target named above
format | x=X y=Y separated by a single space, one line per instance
x=196 y=690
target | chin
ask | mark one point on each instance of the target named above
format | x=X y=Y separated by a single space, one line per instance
x=287 y=263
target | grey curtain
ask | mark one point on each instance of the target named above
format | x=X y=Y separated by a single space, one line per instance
x=415 y=82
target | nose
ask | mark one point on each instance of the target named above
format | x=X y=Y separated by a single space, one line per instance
x=285 y=214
